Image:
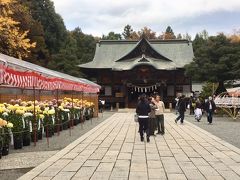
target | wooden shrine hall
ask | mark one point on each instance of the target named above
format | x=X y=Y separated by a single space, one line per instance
x=125 y=69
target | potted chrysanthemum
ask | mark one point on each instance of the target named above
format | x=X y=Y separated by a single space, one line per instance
x=40 y=118
x=65 y=117
x=15 y=116
x=49 y=121
x=27 y=128
x=6 y=138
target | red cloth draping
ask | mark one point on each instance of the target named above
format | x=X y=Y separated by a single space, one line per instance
x=32 y=79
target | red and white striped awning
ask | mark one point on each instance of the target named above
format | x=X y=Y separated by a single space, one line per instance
x=30 y=79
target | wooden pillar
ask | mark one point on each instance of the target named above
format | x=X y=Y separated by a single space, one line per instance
x=112 y=86
x=174 y=81
x=125 y=93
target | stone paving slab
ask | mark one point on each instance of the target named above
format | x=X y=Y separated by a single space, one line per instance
x=113 y=150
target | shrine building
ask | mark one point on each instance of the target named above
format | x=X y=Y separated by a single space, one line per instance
x=127 y=68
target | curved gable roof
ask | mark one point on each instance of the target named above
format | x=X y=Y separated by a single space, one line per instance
x=108 y=52
x=143 y=47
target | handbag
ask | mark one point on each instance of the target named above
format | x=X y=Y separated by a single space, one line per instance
x=135 y=117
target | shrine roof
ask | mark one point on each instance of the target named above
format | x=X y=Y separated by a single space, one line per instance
x=125 y=54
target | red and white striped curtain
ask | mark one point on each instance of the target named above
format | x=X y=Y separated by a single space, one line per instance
x=31 y=79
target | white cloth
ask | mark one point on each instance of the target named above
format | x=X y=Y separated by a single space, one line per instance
x=198 y=113
x=143 y=116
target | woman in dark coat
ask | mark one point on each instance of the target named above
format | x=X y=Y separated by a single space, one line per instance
x=142 y=110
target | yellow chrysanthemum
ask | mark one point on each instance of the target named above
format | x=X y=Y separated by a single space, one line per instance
x=21 y=112
x=10 y=125
x=51 y=112
x=41 y=116
x=12 y=108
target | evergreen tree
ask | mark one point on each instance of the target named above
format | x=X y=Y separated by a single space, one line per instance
x=216 y=60
x=112 y=36
x=86 y=45
x=127 y=32
x=169 y=34
x=55 y=33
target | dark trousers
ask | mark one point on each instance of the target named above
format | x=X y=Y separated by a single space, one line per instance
x=191 y=111
x=143 y=126
x=209 y=116
x=160 y=123
x=181 y=116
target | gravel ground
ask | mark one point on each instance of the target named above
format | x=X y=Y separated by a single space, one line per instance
x=222 y=127
x=23 y=161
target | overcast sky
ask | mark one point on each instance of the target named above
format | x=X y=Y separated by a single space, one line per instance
x=99 y=17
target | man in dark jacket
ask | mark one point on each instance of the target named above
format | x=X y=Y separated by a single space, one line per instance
x=181 y=109
x=142 y=110
x=210 y=107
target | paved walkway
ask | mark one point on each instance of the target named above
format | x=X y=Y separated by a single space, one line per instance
x=113 y=150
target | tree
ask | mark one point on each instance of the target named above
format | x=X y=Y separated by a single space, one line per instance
x=13 y=41
x=208 y=89
x=216 y=60
x=22 y=13
x=55 y=33
x=147 y=33
x=127 y=32
x=168 y=34
x=112 y=36
x=187 y=36
x=66 y=60
x=235 y=37
x=86 y=45
x=179 y=36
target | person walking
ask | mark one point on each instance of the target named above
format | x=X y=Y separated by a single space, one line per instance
x=198 y=110
x=181 y=109
x=160 y=115
x=152 y=117
x=210 y=108
x=176 y=104
x=142 y=110
x=191 y=105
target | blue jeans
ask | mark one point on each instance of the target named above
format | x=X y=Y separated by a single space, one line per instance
x=209 y=116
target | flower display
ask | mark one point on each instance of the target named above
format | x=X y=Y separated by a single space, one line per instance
x=24 y=118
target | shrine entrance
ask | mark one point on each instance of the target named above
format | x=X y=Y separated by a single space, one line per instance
x=144 y=79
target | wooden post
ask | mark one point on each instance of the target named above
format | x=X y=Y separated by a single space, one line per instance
x=82 y=109
x=57 y=113
x=34 y=116
x=72 y=111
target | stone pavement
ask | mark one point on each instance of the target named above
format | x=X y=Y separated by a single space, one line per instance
x=113 y=150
